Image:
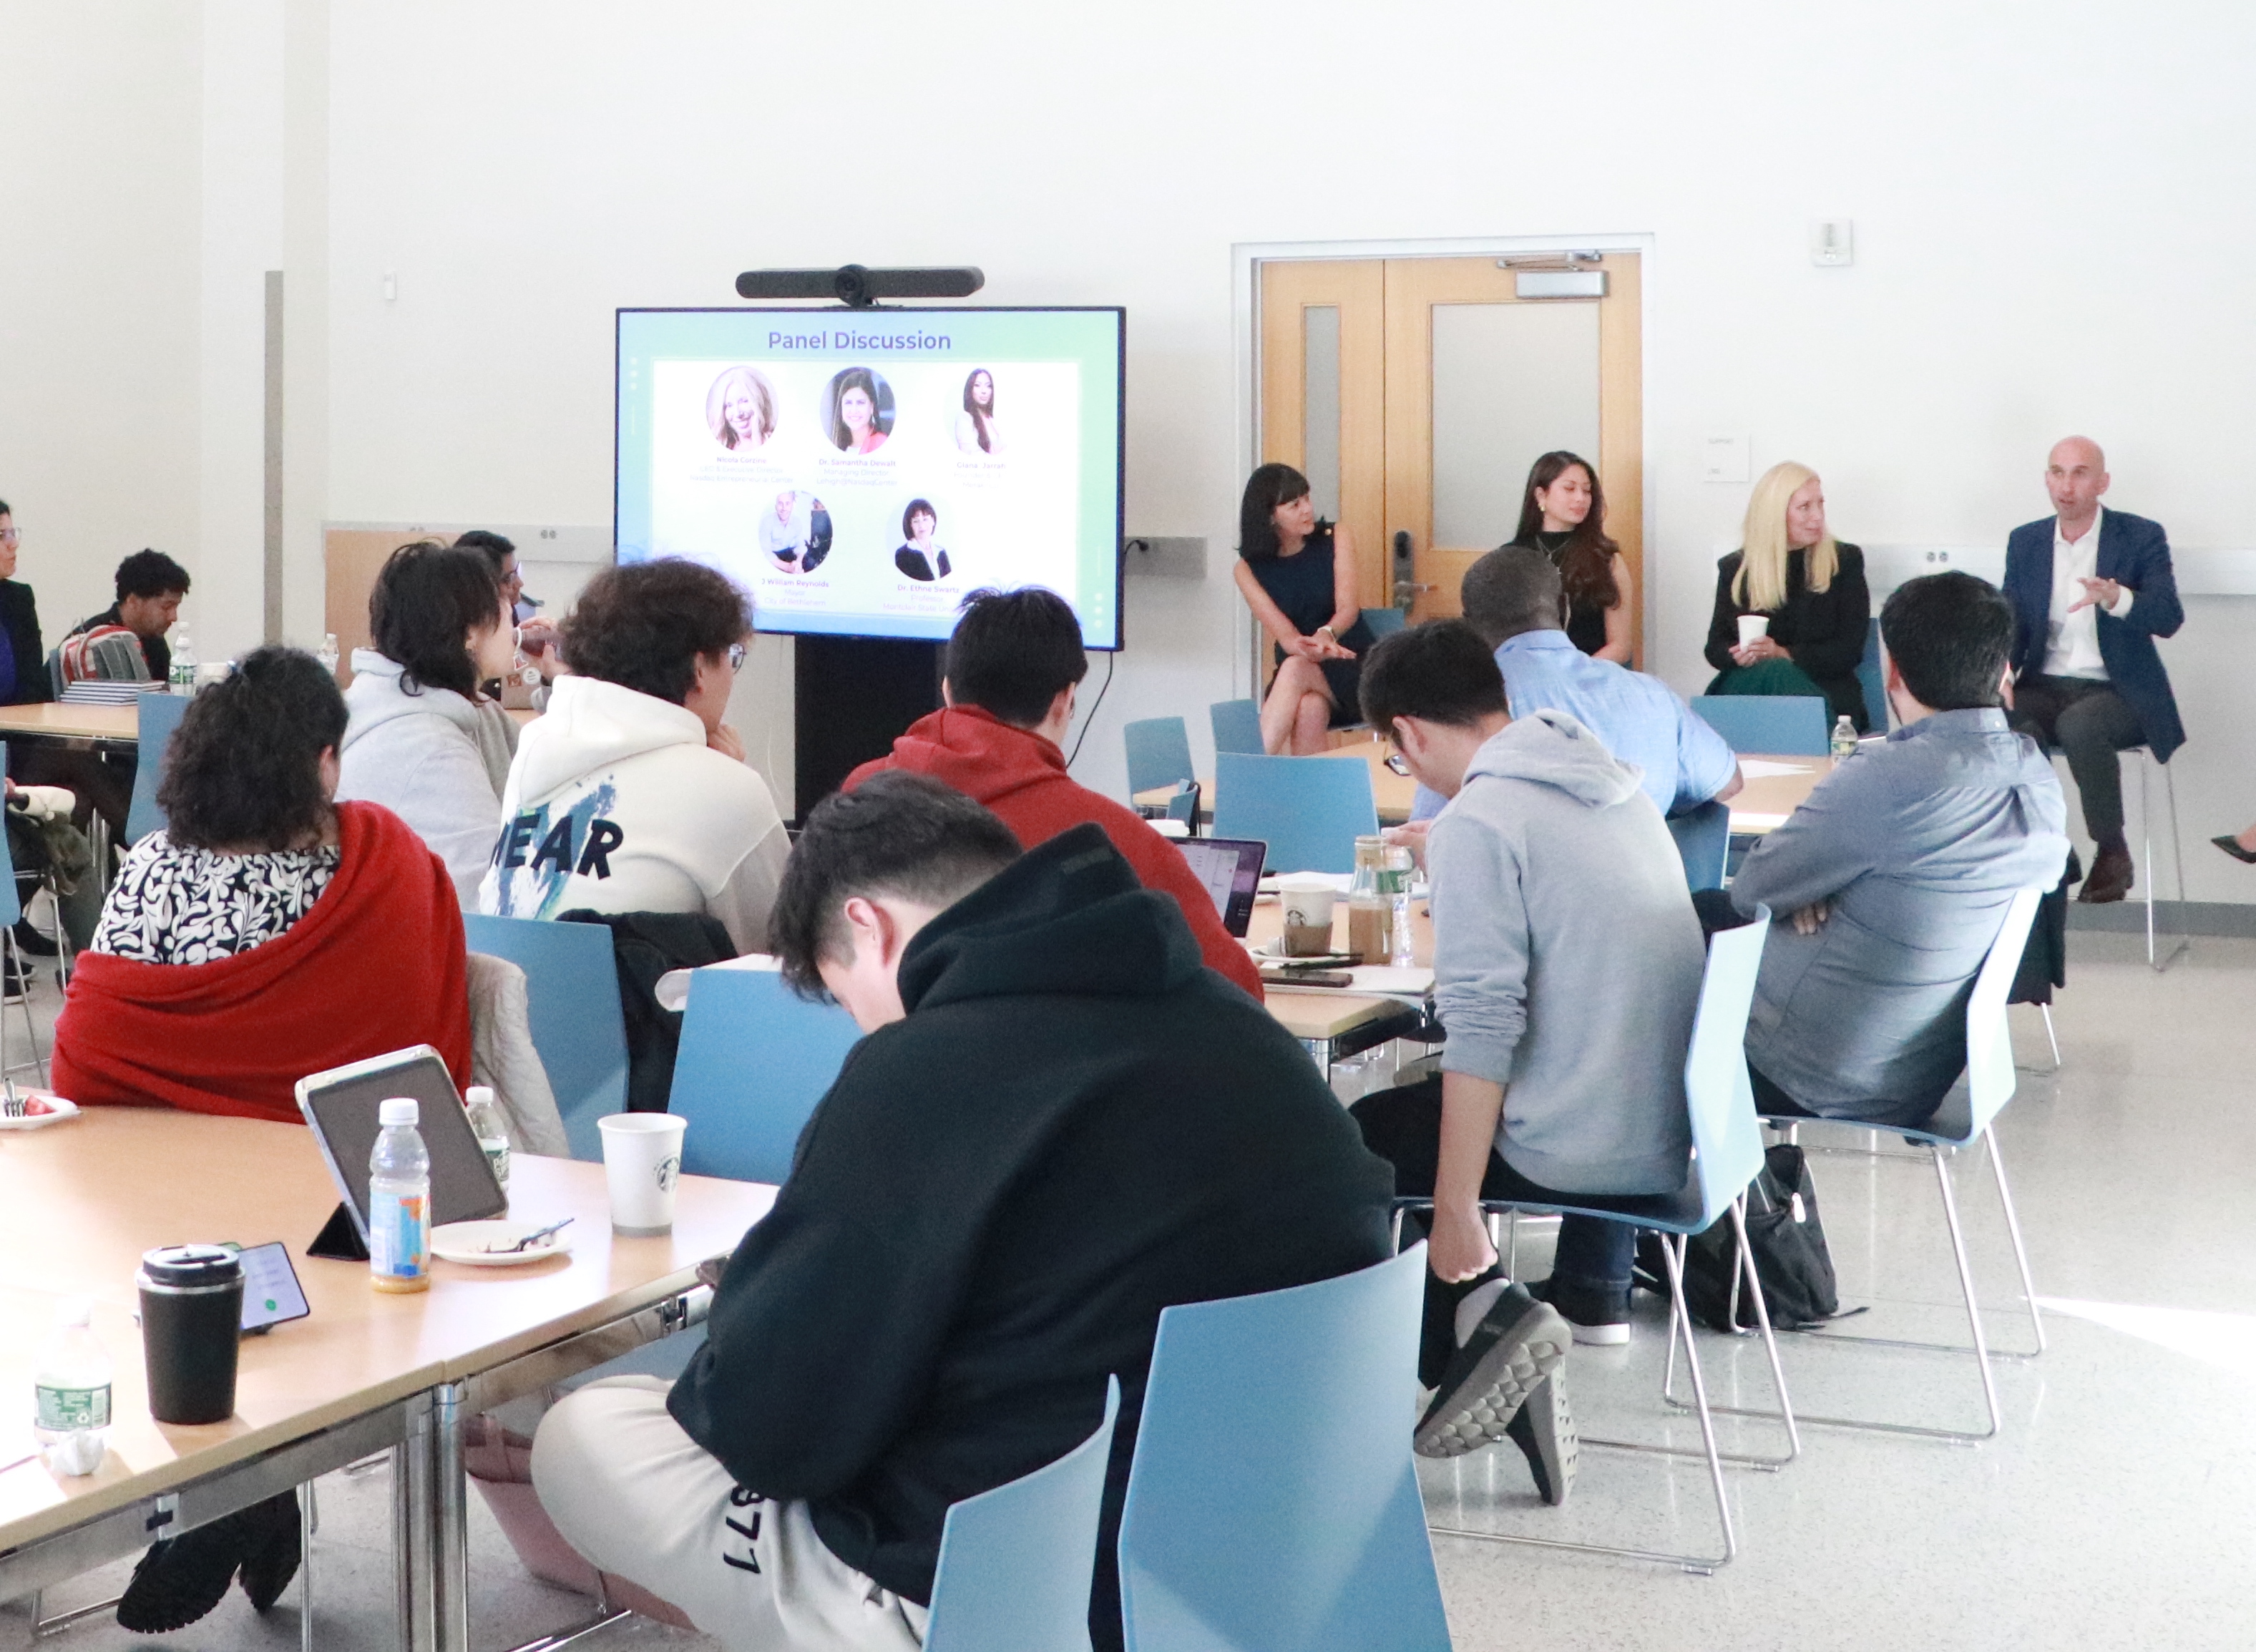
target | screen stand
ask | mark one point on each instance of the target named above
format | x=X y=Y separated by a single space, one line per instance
x=339 y=1241
x=854 y=696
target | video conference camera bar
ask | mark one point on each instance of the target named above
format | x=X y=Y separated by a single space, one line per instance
x=858 y=289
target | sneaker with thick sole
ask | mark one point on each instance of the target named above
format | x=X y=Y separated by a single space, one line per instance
x=1544 y=1431
x=181 y=1578
x=1600 y=1317
x=272 y=1537
x=1519 y=1342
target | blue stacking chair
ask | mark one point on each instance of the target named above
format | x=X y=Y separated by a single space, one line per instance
x=572 y=992
x=1780 y=726
x=1309 y=810
x=1704 y=839
x=1236 y=726
x=755 y=1059
x=1015 y=1562
x=1384 y=621
x=160 y=715
x=1159 y=754
x=1963 y=1119
x=1727 y=1153
x=1273 y=1502
x=1872 y=680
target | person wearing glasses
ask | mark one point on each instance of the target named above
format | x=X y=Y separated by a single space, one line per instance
x=630 y=795
x=536 y=638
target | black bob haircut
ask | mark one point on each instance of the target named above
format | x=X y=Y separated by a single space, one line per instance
x=897 y=833
x=1951 y=636
x=243 y=768
x=427 y=600
x=1013 y=651
x=1269 y=487
x=645 y=626
x=497 y=547
x=150 y=574
x=1441 y=671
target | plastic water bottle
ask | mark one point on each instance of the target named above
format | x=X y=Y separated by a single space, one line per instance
x=71 y=1389
x=1400 y=868
x=1844 y=738
x=182 y=677
x=328 y=655
x=486 y=1125
x=400 y=1201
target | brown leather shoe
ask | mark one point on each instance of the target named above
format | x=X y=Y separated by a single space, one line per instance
x=2110 y=879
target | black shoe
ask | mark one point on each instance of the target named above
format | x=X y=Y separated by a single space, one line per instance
x=271 y=1549
x=1437 y=1342
x=30 y=942
x=1600 y=1317
x=1519 y=1342
x=2110 y=876
x=1544 y=1431
x=2231 y=846
x=14 y=980
x=181 y=1578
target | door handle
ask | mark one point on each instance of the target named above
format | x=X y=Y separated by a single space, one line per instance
x=1407 y=589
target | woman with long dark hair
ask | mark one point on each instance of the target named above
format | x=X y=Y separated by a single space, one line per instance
x=1563 y=515
x=858 y=420
x=975 y=429
x=1297 y=573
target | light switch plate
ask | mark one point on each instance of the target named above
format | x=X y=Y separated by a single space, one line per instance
x=1155 y=556
x=1833 y=242
x=1724 y=459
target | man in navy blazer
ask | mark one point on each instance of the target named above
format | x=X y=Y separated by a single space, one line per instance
x=2090 y=592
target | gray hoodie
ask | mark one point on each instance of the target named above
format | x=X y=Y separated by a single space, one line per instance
x=435 y=759
x=1567 y=958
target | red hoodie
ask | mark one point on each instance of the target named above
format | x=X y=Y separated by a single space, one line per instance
x=1022 y=778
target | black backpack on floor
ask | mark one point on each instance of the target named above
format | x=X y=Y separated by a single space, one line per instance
x=1788 y=1242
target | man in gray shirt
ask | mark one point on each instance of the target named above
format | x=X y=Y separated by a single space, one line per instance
x=1567 y=962
x=1891 y=881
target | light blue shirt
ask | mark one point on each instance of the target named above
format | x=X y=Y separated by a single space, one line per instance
x=1639 y=719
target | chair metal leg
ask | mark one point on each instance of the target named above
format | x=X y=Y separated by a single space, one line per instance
x=1752 y=1283
x=1703 y=1565
x=2013 y=1228
x=12 y=960
x=2052 y=1038
x=308 y=1521
x=2177 y=849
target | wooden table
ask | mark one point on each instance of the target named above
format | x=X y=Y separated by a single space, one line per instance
x=1763 y=804
x=1333 y=1022
x=106 y=727
x=81 y=1201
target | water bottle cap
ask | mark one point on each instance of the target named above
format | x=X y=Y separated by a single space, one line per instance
x=398 y=1110
x=74 y=1312
x=478 y=1095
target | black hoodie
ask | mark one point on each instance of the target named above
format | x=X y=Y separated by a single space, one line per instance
x=1075 y=1126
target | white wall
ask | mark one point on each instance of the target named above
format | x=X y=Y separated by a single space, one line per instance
x=100 y=400
x=2046 y=200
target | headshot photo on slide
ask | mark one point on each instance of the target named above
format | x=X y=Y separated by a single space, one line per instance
x=857 y=410
x=976 y=430
x=921 y=557
x=740 y=409
x=783 y=532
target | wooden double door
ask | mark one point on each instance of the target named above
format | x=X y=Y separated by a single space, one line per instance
x=1414 y=394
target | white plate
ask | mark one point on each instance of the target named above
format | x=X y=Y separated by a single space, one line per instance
x=39 y=1120
x=469 y=1243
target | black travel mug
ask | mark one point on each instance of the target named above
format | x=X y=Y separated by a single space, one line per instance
x=191 y=1326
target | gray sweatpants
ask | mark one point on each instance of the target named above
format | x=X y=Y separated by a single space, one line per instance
x=640 y=1499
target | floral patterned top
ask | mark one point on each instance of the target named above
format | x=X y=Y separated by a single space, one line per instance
x=193 y=906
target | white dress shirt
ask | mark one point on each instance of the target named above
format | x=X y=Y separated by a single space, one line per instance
x=2072 y=640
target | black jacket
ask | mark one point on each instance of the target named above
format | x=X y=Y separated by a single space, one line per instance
x=1076 y=1125
x=20 y=615
x=1824 y=631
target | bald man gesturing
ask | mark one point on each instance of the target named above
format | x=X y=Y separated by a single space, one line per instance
x=2091 y=589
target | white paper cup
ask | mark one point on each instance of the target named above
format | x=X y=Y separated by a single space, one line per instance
x=642 y=1160
x=1751 y=626
x=1307 y=902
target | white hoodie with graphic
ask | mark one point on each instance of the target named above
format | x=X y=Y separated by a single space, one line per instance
x=617 y=804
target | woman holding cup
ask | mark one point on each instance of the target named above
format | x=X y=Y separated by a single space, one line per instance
x=1792 y=609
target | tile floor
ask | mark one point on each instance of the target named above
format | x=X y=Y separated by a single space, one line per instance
x=2115 y=1510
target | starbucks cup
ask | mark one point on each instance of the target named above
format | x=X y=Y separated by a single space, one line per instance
x=1307 y=901
x=1751 y=626
x=642 y=1160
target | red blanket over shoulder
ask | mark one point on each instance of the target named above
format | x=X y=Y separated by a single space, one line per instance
x=376 y=966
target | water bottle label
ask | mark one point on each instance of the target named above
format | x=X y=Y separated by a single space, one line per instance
x=63 y=1409
x=399 y=1235
x=496 y=1159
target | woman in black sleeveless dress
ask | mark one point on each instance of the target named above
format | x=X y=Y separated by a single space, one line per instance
x=1298 y=576
x=1563 y=515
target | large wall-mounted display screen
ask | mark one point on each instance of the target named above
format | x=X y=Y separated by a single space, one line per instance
x=859 y=470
